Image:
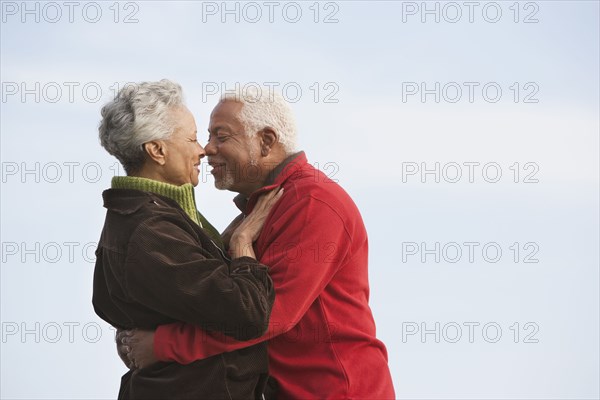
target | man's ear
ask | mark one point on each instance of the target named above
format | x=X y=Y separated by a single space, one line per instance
x=156 y=151
x=268 y=140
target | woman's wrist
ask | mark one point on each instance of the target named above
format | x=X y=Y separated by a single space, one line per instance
x=241 y=246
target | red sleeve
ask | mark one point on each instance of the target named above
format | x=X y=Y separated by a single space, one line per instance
x=304 y=246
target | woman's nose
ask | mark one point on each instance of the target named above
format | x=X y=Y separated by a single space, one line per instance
x=202 y=152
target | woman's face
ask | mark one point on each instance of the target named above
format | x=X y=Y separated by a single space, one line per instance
x=182 y=150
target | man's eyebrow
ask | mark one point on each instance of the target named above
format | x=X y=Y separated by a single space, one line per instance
x=216 y=129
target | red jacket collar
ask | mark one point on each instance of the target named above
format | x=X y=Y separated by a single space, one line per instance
x=277 y=177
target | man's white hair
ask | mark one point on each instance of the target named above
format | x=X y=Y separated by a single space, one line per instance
x=139 y=113
x=263 y=108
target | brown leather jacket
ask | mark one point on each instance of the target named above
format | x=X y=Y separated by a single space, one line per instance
x=154 y=266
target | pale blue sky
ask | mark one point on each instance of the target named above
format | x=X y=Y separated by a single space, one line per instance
x=366 y=58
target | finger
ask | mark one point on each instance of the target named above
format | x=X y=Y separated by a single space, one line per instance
x=278 y=191
x=130 y=357
x=123 y=334
x=133 y=339
x=271 y=193
x=129 y=340
x=273 y=198
x=278 y=194
x=260 y=206
x=266 y=199
x=122 y=349
x=133 y=360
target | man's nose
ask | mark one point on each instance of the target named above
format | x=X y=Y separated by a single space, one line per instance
x=210 y=149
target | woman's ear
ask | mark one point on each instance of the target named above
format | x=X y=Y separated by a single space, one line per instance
x=156 y=151
x=268 y=139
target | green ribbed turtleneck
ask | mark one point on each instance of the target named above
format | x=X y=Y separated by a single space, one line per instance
x=183 y=195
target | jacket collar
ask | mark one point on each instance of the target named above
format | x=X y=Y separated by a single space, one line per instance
x=277 y=177
x=183 y=194
x=125 y=201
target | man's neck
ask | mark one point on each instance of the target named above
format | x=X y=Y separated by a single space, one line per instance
x=271 y=170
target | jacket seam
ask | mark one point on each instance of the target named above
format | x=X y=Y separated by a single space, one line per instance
x=332 y=345
x=336 y=213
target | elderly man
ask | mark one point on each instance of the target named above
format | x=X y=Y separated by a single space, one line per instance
x=321 y=337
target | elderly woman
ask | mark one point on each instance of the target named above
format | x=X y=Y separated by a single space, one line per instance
x=160 y=261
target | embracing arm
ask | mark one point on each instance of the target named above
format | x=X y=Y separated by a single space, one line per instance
x=307 y=243
x=169 y=273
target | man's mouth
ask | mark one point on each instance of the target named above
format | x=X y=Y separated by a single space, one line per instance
x=216 y=167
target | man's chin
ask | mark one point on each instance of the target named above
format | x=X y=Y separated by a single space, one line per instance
x=222 y=185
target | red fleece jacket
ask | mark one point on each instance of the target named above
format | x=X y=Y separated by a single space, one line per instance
x=321 y=334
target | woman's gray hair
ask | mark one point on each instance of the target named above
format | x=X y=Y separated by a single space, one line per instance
x=139 y=113
x=262 y=108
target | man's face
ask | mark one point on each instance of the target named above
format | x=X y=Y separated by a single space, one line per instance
x=233 y=155
x=183 y=152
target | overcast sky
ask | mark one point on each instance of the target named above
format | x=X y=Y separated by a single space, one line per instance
x=466 y=132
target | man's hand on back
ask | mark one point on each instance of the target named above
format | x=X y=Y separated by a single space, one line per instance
x=136 y=348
